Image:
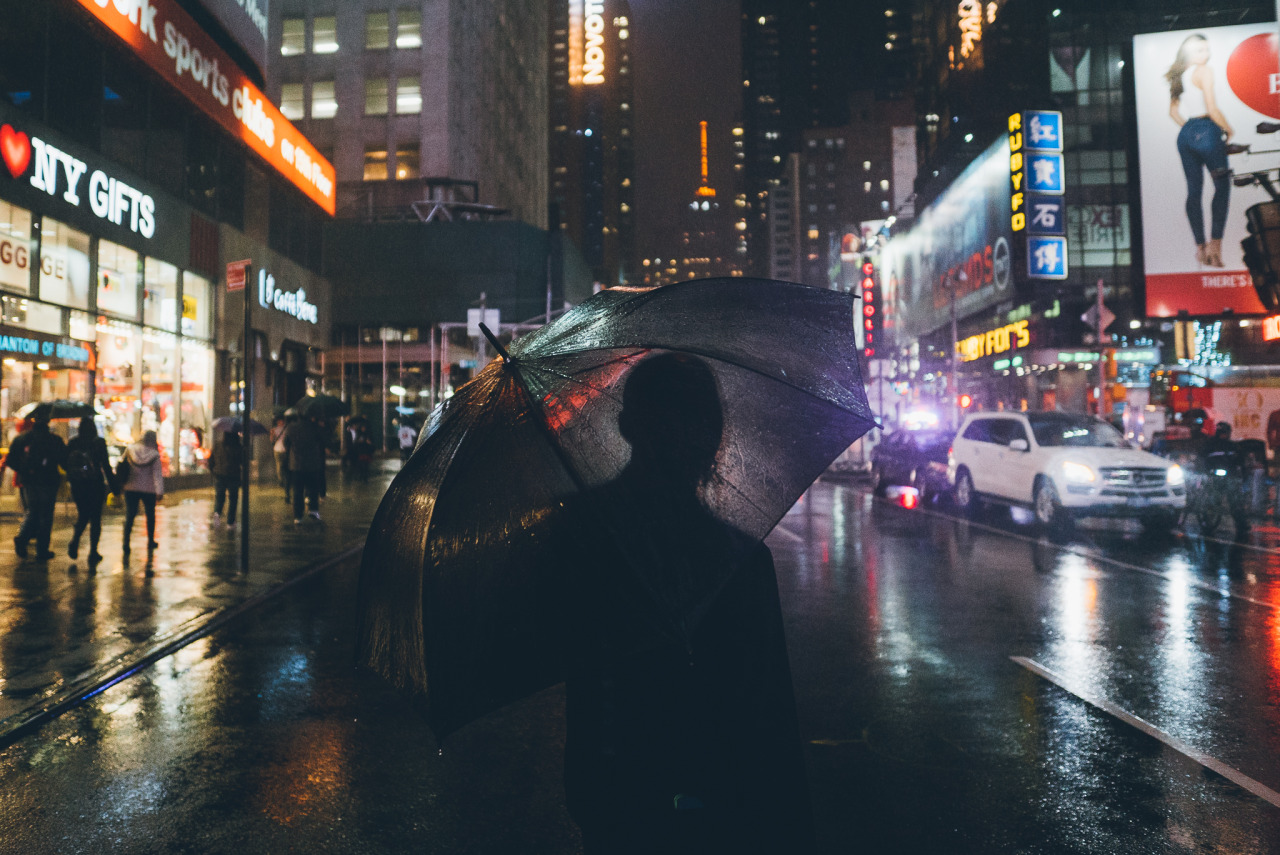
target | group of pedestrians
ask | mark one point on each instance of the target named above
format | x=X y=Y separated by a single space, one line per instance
x=38 y=458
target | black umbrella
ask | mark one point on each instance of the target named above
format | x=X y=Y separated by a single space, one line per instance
x=325 y=406
x=464 y=557
x=234 y=424
x=51 y=410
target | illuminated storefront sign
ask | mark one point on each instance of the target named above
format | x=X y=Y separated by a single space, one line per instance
x=998 y=340
x=169 y=41
x=1017 y=175
x=1271 y=328
x=63 y=175
x=293 y=303
x=33 y=346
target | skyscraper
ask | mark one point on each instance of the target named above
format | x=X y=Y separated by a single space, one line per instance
x=592 y=159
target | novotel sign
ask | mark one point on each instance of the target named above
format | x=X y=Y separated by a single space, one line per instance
x=168 y=40
x=59 y=173
x=292 y=303
x=593 y=56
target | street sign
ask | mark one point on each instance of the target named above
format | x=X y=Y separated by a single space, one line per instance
x=1046 y=215
x=1043 y=130
x=490 y=318
x=1044 y=174
x=236 y=274
x=1091 y=317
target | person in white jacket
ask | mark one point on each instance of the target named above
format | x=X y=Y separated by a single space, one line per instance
x=144 y=486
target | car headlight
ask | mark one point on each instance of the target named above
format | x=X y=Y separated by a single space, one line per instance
x=1077 y=473
x=1174 y=476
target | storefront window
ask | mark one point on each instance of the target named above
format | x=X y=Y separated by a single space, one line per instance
x=30 y=315
x=83 y=326
x=117 y=279
x=197 y=404
x=160 y=295
x=197 y=306
x=64 y=265
x=159 y=363
x=16 y=248
x=119 y=386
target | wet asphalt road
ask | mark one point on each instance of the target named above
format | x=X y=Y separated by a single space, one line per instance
x=923 y=733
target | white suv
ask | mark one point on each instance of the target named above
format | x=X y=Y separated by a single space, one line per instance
x=1062 y=465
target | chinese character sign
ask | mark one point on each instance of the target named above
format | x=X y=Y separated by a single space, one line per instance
x=1043 y=130
x=1199 y=96
x=1047 y=257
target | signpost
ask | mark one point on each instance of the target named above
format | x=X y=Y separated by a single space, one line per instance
x=238 y=273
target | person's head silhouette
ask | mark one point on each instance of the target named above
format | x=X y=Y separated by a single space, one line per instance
x=672 y=418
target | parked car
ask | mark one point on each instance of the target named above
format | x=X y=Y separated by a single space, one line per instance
x=1062 y=466
x=912 y=458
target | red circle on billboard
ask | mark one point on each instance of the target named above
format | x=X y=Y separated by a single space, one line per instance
x=1250 y=70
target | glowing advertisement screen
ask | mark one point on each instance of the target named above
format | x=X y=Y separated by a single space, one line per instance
x=1200 y=95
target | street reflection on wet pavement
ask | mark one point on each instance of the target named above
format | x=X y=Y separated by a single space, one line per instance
x=923 y=733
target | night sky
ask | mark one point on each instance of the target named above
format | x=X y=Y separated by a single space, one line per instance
x=686 y=67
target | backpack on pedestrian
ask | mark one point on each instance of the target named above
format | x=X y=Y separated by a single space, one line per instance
x=81 y=467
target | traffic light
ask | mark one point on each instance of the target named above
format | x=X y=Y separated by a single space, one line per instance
x=1262 y=252
x=871 y=325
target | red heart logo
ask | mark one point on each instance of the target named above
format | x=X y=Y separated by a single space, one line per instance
x=15 y=148
x=1250 y=72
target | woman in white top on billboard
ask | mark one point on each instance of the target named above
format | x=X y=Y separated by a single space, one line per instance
x=1202 y=143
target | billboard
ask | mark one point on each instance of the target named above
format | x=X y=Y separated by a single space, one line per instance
x=962 y=239
x=1200 y=95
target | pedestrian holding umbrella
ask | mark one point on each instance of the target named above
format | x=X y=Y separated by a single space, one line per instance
x=559 y=476
x=235 y=424
x=55 y=410
x=321 y=406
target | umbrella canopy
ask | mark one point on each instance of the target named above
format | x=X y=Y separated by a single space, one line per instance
x=234 y=424
x=324 y=406
x=56 y=410
x=472 y=544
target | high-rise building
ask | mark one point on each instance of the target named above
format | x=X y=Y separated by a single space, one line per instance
x=800 y=64
x=397 y=92
x=592 y=159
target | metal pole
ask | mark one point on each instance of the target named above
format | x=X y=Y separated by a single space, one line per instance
x=246 y=404
x=382 y=334
x=1102 y=355
x=955 y=346
x=432 y=366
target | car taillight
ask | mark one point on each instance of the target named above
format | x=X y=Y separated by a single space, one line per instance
x=951 y=452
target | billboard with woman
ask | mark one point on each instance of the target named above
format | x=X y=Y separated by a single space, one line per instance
x=1200 y=95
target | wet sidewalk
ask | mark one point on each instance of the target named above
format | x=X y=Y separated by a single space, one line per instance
x=67 y=632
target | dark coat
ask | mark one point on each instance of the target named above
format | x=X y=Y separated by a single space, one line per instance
x=96 y=448
x=304 y=440
x=227 y=459
x=36 y=455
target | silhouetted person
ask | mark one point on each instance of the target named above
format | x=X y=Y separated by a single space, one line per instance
x=680 y=716
x=36 y=455
x=89 y=473
x=226 y=463
x=305 y=441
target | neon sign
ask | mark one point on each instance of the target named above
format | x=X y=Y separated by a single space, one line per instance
x=593 y=57
x=1017 y=175
x=292 y=303
x=1271 y=328
x=170 y=42
x=998 y=340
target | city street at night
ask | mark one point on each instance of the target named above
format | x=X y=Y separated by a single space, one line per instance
x=962 y=687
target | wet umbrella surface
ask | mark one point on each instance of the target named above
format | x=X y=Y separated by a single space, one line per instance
x=521 y=476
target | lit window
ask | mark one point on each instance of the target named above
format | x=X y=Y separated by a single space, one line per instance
x=377 y=31
x=408 y=28
x=813 y=233
x=324 y=103
x=293 y=38
x=375 y=96
x=375 y=164
x=866 y=186
x=407 y=161
x=293 y=101
x=324 y=35
x=884 y=183
x=624 y=208
x=408 y=96
x=622 y=34
x=866 y=166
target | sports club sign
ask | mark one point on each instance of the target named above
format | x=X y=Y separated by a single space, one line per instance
x=1193 y=217
x=169 y=41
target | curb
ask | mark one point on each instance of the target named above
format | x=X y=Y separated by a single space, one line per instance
x=123 y=667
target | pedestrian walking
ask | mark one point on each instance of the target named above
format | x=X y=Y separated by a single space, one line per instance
x=90 y=476
x=408 y=436
x=304 y=440
x=362 y=452
x=225 y=462
x=144 y=485
x=283 y=473
x=36 y=456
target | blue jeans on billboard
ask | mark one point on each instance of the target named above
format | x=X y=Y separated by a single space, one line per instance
x=1201 y=146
